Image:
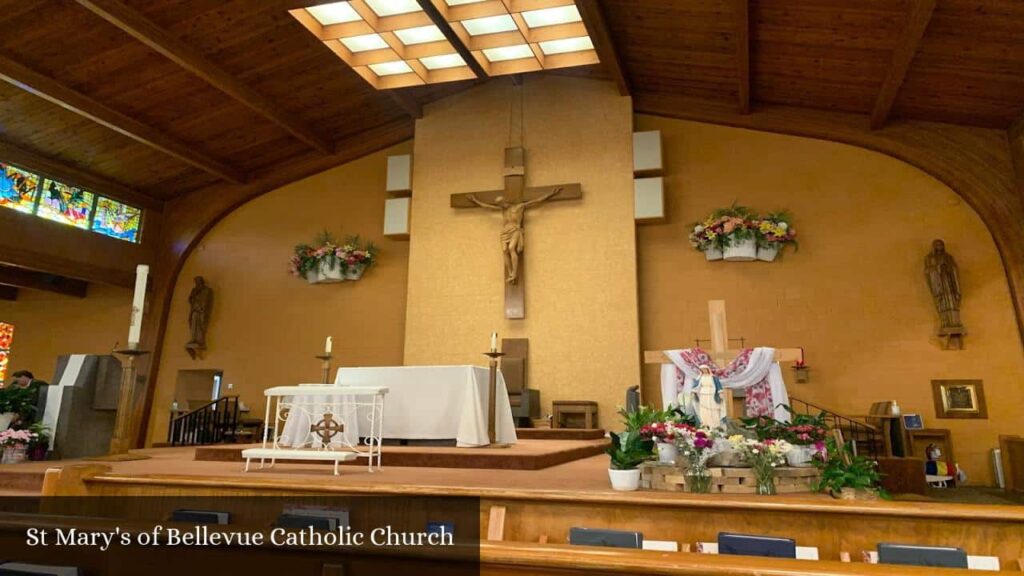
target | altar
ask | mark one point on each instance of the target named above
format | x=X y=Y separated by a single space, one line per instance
x=424 y=403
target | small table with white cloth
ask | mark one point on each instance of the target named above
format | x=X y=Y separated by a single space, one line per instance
x=427 y=403
x=321 y=422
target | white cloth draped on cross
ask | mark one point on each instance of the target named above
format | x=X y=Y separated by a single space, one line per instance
x=754 y=371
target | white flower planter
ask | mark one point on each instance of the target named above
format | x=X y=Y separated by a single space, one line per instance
x=6 y=418
x=667 y=453
x=625 y=480
x=741 y=251
x=329 y=274
x=712 y=254
x=355 y=273
x=767 y=254
x=800 y=456
x=312 y=276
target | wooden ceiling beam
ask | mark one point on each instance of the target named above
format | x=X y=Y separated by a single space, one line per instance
x=53 y=91
x=743 y=54
x=902 y=56
x=8 y=293
x=597 y=27
x=142 y=29
x=77 y=176
x=30 y=279
x=438 y=19
x=407 y=102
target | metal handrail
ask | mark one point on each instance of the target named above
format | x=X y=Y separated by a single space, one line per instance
x=865 y=437
x=211 y=423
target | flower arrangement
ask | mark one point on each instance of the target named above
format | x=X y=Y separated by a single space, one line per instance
x=736 y=227
x=763 y=456
x=326 y=259
x=664 y=431
x=698 y=446
x=11 y=437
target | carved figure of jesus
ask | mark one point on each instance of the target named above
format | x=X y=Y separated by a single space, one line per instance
x=512 y=238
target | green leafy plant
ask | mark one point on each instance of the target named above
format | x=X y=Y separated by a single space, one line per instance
x=21 y=401
x=628 y=448
x=842 y=469
x=42 y=433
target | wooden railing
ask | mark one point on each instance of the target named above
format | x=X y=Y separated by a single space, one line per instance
x=867 y=440
x=213 y=423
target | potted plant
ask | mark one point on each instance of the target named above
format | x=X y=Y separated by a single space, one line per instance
x=356 y=257
x=15 y=444
x=763 y=456
x=664 y=434
x=39 y=445
x=737 y=230
x=16 y=404
x=806 y=436
x=628 y=449
x=305 y=264
x=846 y=476
x=707 y=237
x=773 y=233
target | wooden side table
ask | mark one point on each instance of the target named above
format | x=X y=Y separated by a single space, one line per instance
x=586 y=408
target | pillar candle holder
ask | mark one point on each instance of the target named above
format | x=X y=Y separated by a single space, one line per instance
x=325 y=359
x=121 y=440
x=492 y=400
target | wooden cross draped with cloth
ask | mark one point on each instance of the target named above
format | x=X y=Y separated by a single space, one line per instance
x=513 y=202
x=720 y=351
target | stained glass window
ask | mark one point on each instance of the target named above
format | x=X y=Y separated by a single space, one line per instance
x=18 y=188
x=65 y=204
x=6 y=337
x=117 y=220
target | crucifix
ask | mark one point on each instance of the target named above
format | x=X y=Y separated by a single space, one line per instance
x=513 y=202
x=720 y=351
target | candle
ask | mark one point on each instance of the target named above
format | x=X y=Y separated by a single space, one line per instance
x=138 y=305
x=328 y=346
x=494 y=341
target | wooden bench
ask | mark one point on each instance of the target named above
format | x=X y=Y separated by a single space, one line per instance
x=274 y=454
x=586 y=408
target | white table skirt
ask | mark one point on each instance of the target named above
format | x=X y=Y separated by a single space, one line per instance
x=426 y=403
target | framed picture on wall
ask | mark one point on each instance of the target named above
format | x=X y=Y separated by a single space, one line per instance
x=913 y=422
x=959 y=399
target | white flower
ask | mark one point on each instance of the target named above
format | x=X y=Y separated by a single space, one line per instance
x=783 y=226
x=755 y=451
x=698 y=228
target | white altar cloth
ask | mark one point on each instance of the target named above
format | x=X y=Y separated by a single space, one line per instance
x=432 y=403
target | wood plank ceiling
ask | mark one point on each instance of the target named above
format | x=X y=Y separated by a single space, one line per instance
x=238 y=86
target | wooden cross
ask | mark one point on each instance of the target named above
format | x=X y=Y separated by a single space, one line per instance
x=327 y=428
x=513 y=201
x=720 y=352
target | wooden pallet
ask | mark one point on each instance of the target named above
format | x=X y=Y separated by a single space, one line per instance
x=672 y=478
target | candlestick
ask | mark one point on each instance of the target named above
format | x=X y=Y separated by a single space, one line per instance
x=121 y=439
x=138 y=305
x=494 y=341
x=325 y=366
x=328 y=346
x=492 y=387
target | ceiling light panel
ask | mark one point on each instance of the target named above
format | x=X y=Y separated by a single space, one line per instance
x=552 y=16
x=489 y=25
x=420 y=35
x=336 y=13
x=391 y=68
x=566 y=45
x=385 y=8
x=364 y=43
x=506 y=53
x=442 y=62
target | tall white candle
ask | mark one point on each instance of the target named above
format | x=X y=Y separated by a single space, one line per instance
x=328 y=346
x=138 y=305
x=494 y=341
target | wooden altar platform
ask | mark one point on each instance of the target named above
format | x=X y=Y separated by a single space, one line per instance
x=542 y=505
x=523 y=455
